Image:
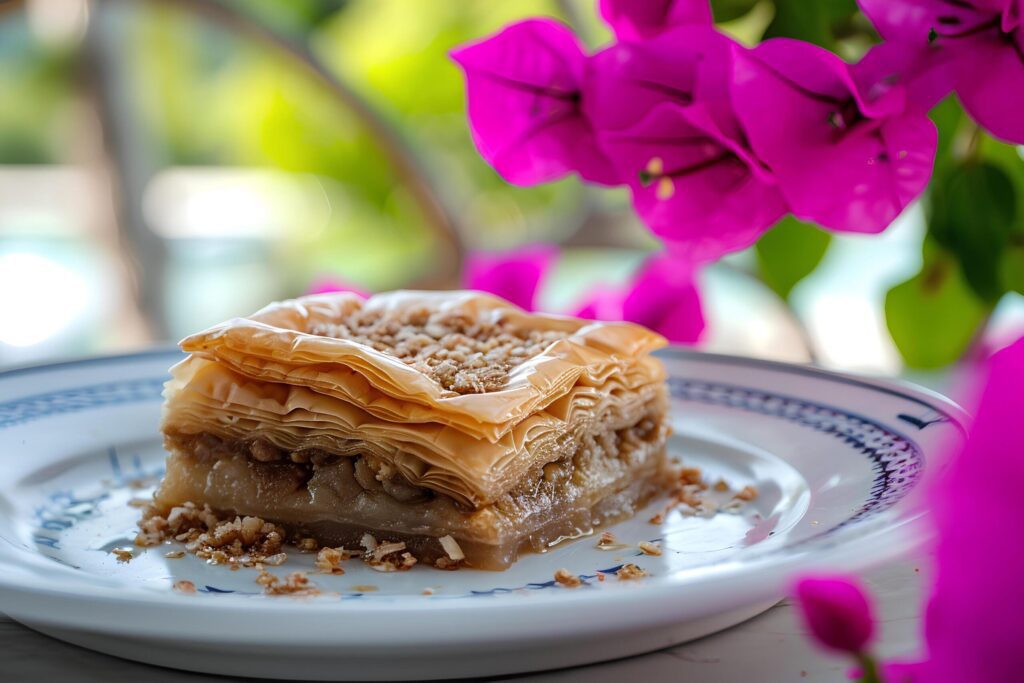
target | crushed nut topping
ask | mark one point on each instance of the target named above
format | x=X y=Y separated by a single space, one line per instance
x=183 y=586
x=174 y=554
x=630 y=571
x=296 y=583
x=565 y=578
x=463 y=354
x=649 y=548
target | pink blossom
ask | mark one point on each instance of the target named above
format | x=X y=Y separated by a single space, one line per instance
x=693 y=185
x=637 y=19
x=328 y=283
x=843 y=160
x=524 y=103
x=837 y=613
x=515 y=275
x=662 y=112
x=983 y=42
x=662 y=297
x=974 y=619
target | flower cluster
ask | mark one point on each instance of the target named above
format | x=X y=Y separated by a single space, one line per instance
x=716 y=141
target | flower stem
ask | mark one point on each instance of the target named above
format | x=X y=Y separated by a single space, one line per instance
x=868 y=668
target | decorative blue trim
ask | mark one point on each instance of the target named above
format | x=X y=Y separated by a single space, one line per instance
x=29 y=408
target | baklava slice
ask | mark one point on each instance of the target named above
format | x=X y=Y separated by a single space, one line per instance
x=452 y=422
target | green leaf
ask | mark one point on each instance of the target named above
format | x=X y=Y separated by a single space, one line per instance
x=948 y=117
x=973 y=211
x=933 y=316
x=810 y=21
x=1011 y=269
x=789 y=252
x=729 y=10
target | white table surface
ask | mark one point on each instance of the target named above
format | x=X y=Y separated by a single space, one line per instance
x=770 y=648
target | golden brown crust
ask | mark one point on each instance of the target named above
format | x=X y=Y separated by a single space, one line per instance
x=280 y=344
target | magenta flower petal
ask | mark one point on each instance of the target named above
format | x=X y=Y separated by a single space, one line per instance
x=662 y=297
x=989 y=77
x=603 y=303
x=327 y=284
x=973 y=623
x=837 y=613
x=665 y=299
x=690 y=64
x=515 y=276
x=523 y=98
x=638 y=19
x=692 y=185
x=842 y=160
x=912 y=21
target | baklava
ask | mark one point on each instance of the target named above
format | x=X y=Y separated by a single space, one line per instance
x=452 y=422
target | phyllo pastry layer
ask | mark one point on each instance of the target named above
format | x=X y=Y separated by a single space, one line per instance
x=416 y=416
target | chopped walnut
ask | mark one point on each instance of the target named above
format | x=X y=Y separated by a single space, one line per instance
x=328 y=560
x=296 y=583
x=565 y=578
x=124 y=555
x=747 y=493
x=607 y=540
x=629 y=572
x=388 y=556
x=242 y=541
x=174 y=554
x=307 y=545
x=721 y=486
x=649 y=548
x=183 y=586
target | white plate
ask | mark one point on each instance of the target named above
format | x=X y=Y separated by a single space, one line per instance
x=838 y=462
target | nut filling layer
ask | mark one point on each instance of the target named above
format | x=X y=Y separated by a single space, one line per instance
x=337 y=499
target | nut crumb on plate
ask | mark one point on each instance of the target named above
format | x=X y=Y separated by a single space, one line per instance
x=123 y=554
x=296 y=583
x=183 y=586
x=630 y=571
x=648 y=548
x=328 y=560
x=174 y=554
x=565 y=578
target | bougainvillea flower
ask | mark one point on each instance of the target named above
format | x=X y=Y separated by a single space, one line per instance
x=638 y=19
x=524 y=103
x=984 y=43
x=662 y=297
x=514 y=275
x=836 y=612
x=841 y=160
x=328 y=283
x=692 y=184
x=973 y=623
x=684 y=66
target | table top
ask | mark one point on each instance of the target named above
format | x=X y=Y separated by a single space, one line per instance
x=770 y=647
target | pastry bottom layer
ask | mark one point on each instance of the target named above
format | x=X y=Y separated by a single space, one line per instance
x=338 y=499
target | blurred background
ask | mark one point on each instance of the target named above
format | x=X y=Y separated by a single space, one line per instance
x=167 y=164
